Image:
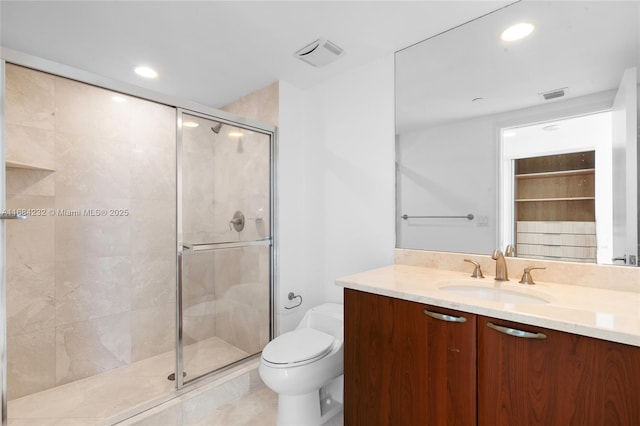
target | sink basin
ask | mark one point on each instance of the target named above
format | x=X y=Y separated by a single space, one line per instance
x=494 y=294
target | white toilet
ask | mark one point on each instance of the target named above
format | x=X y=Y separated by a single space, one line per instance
x=305 y=367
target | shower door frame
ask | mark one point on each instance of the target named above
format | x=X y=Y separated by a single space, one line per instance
x=61 y=70
x=180 y=249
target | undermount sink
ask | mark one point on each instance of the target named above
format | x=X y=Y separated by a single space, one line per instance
x=494 y=294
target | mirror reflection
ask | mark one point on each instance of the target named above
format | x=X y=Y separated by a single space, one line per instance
x=528 y=140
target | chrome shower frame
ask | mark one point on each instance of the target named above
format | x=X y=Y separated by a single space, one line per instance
x=223 y=118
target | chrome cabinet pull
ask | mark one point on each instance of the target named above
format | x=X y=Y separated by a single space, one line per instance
x=516 y=333
x=443 y=317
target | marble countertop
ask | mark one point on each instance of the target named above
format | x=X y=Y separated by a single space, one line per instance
x=594 y=312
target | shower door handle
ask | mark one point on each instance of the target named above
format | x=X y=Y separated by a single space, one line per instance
x=7 y=216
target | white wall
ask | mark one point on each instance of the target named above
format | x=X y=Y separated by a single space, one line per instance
x=336 y=183
x=449 y=170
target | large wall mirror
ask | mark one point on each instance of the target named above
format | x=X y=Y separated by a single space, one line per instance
x=529 y=143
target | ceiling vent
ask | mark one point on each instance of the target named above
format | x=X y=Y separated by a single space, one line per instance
x=554 y=94
x=320 y=53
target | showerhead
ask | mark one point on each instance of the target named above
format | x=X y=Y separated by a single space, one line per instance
x=216 y=128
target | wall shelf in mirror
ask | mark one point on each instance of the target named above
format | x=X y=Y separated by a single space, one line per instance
x=527 y=200
x=556 y=173
x=18 y=165
x=565 y=185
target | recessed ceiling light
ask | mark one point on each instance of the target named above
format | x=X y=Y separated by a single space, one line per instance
x=190 y=124
x=146 y=72
x=118 y=99
x=235 y=134
x=551 y=127
x=517 y=31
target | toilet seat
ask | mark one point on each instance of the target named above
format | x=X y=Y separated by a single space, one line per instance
x=298 y=347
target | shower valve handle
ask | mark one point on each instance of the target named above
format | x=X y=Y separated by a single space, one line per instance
x=237 y=222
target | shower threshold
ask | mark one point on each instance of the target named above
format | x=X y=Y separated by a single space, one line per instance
x=91 y=400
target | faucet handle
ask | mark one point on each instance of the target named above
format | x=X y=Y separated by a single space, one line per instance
x=526 y=276
x=510 y=251
x=477 y=272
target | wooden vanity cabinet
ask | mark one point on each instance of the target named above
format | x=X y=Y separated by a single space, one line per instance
x=563 y=379
x=404 y=367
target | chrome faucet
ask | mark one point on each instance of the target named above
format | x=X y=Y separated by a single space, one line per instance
x=501 y=266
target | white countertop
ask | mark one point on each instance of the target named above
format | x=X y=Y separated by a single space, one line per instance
x=594 y=312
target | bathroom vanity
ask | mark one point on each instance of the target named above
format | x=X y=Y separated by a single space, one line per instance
x=417 y=351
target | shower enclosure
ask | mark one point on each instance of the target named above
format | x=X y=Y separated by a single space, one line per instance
x=146 y=259
x=224 y=243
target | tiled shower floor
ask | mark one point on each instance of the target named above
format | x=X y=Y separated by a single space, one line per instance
x=92 y=400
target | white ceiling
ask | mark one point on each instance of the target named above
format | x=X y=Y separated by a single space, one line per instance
x=214 y=52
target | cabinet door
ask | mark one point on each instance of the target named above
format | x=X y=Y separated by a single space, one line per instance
x=403 y=367
x=562 y=379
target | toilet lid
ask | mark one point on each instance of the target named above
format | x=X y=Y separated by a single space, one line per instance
x=301 y=345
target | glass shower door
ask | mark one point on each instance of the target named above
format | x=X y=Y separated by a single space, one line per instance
x=224 y=244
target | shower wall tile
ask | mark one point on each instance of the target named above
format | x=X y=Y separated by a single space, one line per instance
x=198 y=274
x=31 y=95
x=153 y=281
x=261 y=105
x=32 y=240
x=31 y=292
x=90 y=112
x=199 y=318
x=30 y=362
x=90 y=347
x=153 y=174
x=153 y=233
x=152 y=331
x=92 y=166
x=198 y=190
x=153 y=136
x=30 y=145
x=81 y=237
x=244 y=322
x=152 y=124
x=93 y=288
x=153 y=246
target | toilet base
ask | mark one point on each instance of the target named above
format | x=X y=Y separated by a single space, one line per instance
x=313 y=408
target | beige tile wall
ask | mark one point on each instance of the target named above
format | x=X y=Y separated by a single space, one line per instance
x=86 y=294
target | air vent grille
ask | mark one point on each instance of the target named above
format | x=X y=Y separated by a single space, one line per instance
x=319 y=53
x=554 y=94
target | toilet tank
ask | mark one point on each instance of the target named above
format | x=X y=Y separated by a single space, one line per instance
x=328 y=318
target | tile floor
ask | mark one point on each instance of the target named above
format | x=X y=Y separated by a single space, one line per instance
x=258 y=408
x=92 y=400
